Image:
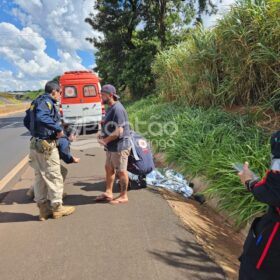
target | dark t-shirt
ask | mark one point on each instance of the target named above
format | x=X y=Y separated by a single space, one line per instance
x=116 y=116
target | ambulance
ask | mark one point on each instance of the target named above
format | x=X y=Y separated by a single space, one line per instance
x=81 y=103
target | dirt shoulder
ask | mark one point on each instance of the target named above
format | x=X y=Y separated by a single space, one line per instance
x=13 y=108
x=217 y=236
x=212 y=231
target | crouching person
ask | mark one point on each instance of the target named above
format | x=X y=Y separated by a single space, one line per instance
x=43 y=121
x=63 y=146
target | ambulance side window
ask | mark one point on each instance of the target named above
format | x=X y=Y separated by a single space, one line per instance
x=89 y=91
x=70 y=92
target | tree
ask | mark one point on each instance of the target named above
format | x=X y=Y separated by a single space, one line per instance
x=132 y=32
x=167 y=19
x=56 y=79
x=116 y=22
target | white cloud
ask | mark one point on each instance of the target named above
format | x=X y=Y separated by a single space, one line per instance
x=15 y=38
x=31 y=60
x=92 y=66
x=223 y=8
x=61 y=20
x=8 y=81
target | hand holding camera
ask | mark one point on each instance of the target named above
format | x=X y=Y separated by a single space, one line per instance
x=244 y=172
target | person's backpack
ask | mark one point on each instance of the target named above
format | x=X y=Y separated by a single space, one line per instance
x=140 y=160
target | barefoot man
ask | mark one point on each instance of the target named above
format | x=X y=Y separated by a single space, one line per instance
x=115 y=139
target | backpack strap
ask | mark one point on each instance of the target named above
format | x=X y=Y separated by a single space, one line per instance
x=134 y=152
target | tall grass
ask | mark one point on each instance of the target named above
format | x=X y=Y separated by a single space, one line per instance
x=237 y=62
x=206 y=143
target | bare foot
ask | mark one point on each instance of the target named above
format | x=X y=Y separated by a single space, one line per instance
x=119 y=200
x=104 y=197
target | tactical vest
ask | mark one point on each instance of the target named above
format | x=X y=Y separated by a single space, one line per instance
x=36 y=129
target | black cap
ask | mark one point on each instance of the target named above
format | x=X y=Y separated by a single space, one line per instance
x=50 y=86
x=110 y=90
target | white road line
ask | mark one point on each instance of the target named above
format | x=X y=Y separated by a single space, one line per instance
x=13 y=172
x=8 y=125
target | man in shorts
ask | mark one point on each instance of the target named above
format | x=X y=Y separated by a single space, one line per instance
x=114 y=137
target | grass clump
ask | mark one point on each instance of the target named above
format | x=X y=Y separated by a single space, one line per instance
x=237 y=62
x=32 y=95
x=207 y=143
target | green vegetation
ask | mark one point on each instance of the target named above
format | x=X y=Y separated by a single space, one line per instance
x=33 y=94
x=15 y=99
x=237 y=62
x=7 y=99
x=207 y=143
x=134 y=32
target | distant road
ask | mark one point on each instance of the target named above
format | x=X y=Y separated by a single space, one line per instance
x=14 y=140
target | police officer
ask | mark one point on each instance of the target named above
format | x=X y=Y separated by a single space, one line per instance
x=63 y=146
x=43 y=121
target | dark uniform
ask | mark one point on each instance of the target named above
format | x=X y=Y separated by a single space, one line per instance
x=63 y=146
x=260 y=259
x=42 y=118
x=140 y=160
x=43 y=121
x=64 y=150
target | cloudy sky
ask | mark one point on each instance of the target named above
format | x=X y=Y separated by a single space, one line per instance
x=40 y=39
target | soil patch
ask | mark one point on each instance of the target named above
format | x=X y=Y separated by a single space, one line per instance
x=212 y=231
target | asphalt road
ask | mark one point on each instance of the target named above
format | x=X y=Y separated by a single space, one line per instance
x=142 y=239
x=14 y=140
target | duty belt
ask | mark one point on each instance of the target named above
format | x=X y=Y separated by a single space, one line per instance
x=44 y=146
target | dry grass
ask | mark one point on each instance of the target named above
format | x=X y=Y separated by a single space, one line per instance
x=13 y=108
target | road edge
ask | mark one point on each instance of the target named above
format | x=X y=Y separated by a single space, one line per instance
x=14 y=175
x=11 y=113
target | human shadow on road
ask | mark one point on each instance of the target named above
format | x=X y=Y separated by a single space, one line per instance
x=9 y=217
x=15 y=197
x=88 y=186
x=192 y=258
x=98 y=186
x=26 y=134
x=78 y=199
